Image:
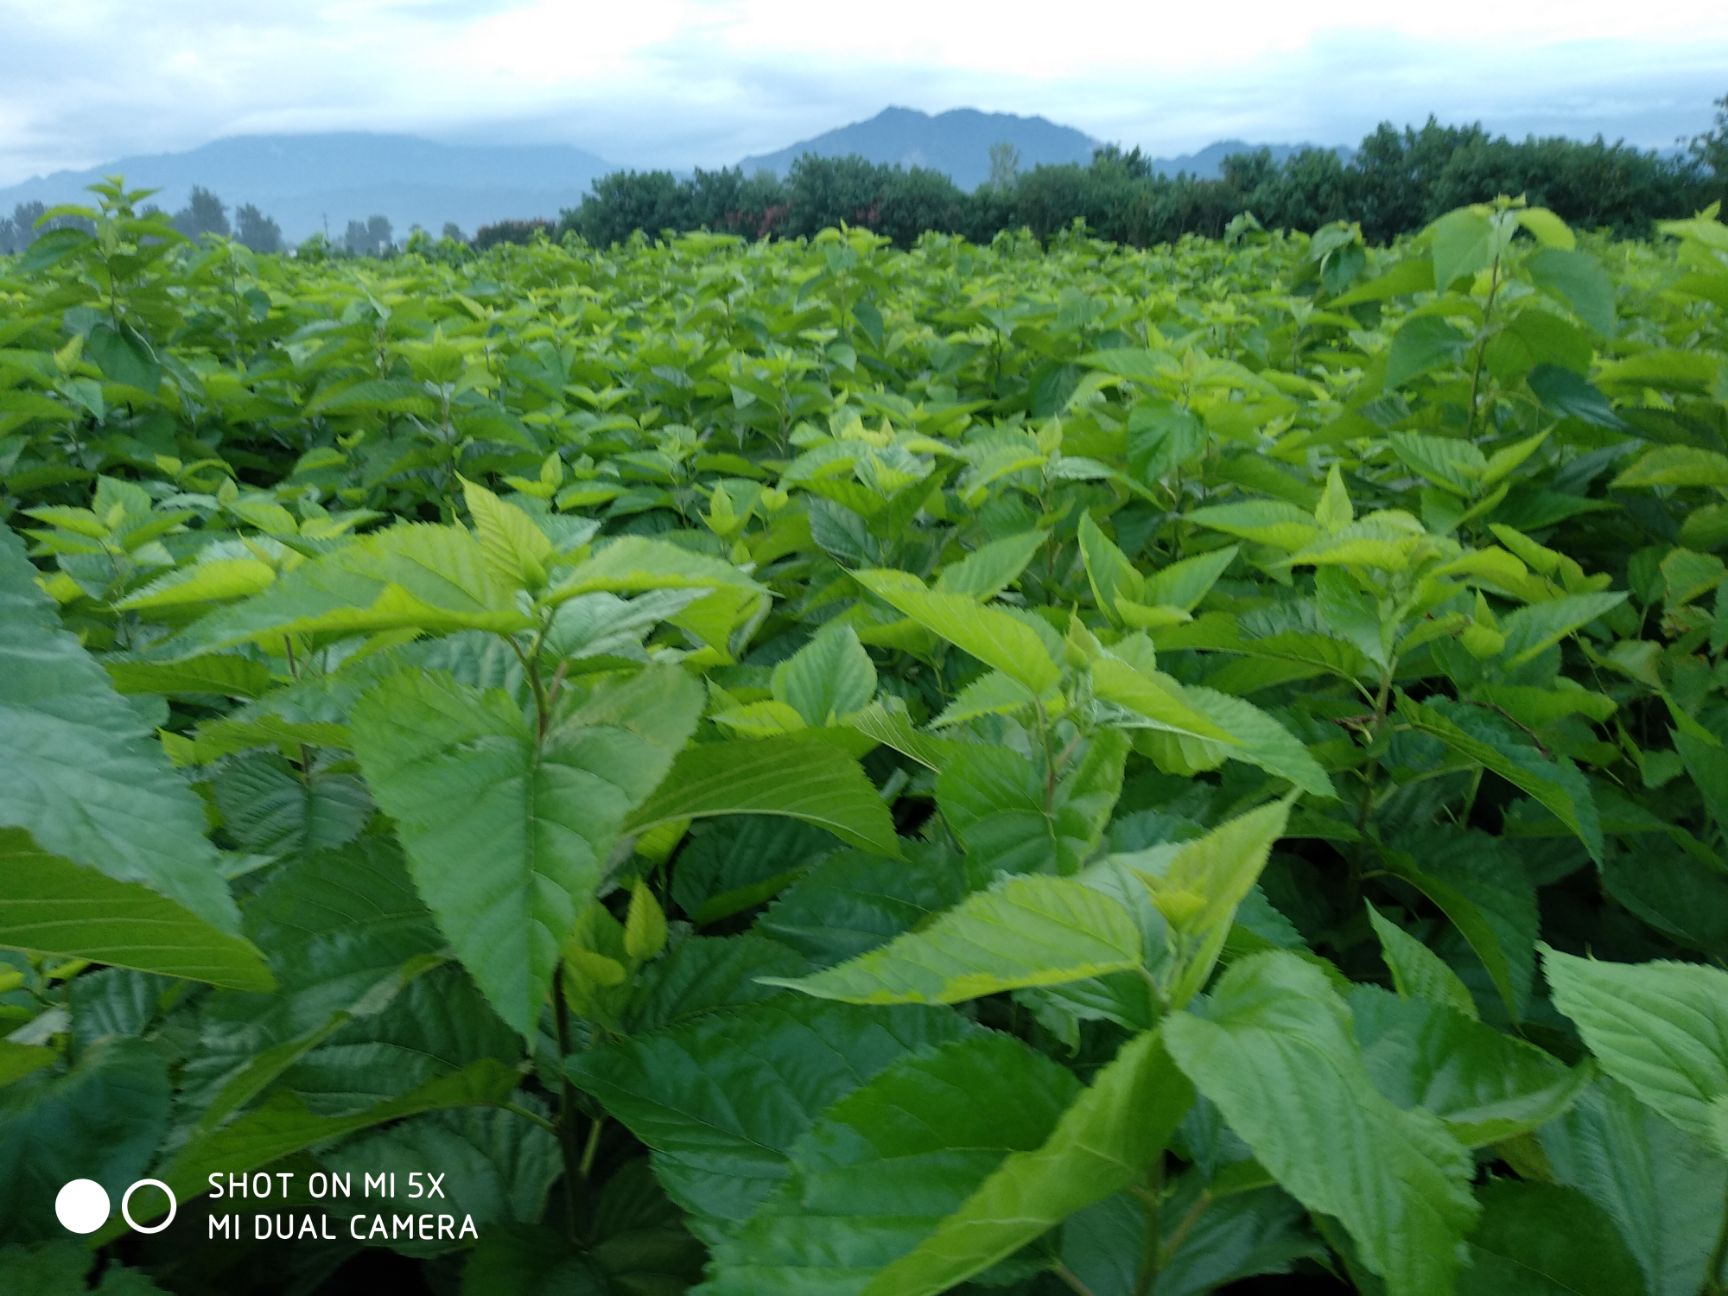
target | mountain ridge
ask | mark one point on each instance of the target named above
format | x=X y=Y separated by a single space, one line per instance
x=956 y=142
x=307 y=180
x=316 y=181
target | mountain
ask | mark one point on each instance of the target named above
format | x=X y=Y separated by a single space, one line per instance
x=955 y=142
x=305 y=180
x=958 y=142
x=1208 y=163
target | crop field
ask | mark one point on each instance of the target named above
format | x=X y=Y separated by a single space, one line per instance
x=807 y=769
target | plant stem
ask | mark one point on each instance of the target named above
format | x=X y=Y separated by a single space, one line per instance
x=1186 y=1223
x=1482 y=346
x=575 y=1178
x=531 y=667
x=1365 y=807
x=1715 y=1283
x=1152 y=1244
x=1070 y=1279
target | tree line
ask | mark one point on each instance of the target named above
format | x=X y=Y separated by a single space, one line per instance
x=206 y=213
x=1396 y=182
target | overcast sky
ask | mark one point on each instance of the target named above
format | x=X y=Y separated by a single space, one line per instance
x=697 y=82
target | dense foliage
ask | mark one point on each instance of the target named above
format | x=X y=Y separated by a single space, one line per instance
x=801 y=768
x=1396 y=182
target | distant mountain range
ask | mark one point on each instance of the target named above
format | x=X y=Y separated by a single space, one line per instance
x=304 y=181
x=1208 y=163
x=312 y=182
x=956 y=143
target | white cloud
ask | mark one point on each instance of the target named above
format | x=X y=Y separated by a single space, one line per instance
x=682 y=82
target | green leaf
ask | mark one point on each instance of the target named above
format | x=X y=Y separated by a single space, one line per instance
x=1675 y=466
x=499 y=1165
x=1569 y=395
x=827 y=679
x=989 y=634
x=1103 y=1143
x=1660 y=1028
x=1576 y=280
x=272 y=808
x=1000 y=808
x=1268 y=522
x=703 y=974
x=101 y=1120
x=412 y=576
x=893 y=729
x=632 y=564
x=217 y=580
x=1460 y=243
x=1183 y=584
x=1255 y=738
x=1156 y=698
x=1208 y=1244
x=1334 y=510
x=517 y=551
x=1537 y=1239
x=53 y=906
x=883 y=1166
x=1136 y=363
x=1548 y=229
x=1449 y=462
x=374 y=396
x=1276 y=1053
x=644 y=925
x=1478 y=885
x=282 y=1125
x=222 y=674
x=466 y=777
x=124 y=356
x=1201 y=885
x=1025 y=931
x=723 y=1097
x=850 y=903
x=1111 y=575
x=1422 y=344
x=991 y=568
x=1662 y=1188
x=1487 y=1087
x=794 y=775
x=1533 y=629
x=80 y=774
x=1417 y=971
x=1485 y=739
x=54 y=246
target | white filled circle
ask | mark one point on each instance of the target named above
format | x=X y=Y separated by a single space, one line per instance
x=126 y=1202
x=82 y=1205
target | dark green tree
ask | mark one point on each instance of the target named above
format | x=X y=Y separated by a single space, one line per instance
x=202 y=214
x=1709 y=152
x=256 y=230
x=626 y=201
x=23 y=224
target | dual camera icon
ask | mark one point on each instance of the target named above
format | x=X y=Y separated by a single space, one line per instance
x=83 y=1206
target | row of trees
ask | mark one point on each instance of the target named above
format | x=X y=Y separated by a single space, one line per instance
x=205 y=213
x=1396 y=181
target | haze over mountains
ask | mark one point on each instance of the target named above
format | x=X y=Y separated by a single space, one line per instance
x=316 y=181
x=956 y=143
x=304 y=181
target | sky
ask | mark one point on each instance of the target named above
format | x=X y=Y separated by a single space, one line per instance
x=681 y=83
